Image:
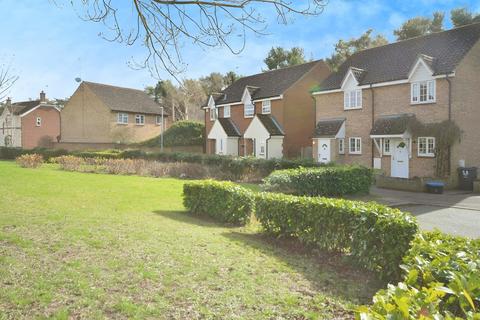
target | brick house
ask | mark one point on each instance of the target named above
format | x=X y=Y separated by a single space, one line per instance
x=364 y=110
x=267 y=115
x=29 y=124
x=102 y=116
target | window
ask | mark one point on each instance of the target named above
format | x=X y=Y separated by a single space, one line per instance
x=266 y=107
x=226 y=112
x=386 y=147
x=158 y=120
x=262 y=150
x=355 y=145
x=341 y=146
x=249 y=110
x=139 y=119
x=38 y=121
x=426 y=146
x=122 y=118
x=423 y=92
x=213 y=114
x=352 y=99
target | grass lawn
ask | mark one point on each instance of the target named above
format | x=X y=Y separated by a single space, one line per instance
x=90 y=246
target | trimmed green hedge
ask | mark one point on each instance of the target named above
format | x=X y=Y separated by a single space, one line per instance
x=376 y=236
x=181 y=133
x=441 y=281
x=325 y=181
x=223 y=201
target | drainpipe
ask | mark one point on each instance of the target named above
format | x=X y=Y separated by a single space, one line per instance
x=266 y=147
x=373 y=120
x=449 y=152
x=314 y=121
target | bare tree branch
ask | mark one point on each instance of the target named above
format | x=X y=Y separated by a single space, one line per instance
x=163 y=27
x=7 y=80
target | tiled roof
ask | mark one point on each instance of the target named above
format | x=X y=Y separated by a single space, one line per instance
x=24 y=106
x=265 y=85
x=229 y=126
x=328 y=127
x=271 y=124
x=443 y=52
x=124 y=99
x=391 y=124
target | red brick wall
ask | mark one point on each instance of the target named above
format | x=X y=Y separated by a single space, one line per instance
x=32 y=136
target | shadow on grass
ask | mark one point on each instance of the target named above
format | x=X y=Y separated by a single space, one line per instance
x=186 y=217
x=327 y=272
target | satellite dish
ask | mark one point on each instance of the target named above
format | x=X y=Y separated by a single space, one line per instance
x=78 y=80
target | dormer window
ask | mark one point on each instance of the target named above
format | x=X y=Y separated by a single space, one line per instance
x=266 y=107
x=352 y=99
x=213 y=113
x=423 y=92
x=226 y=112
x=249 y=110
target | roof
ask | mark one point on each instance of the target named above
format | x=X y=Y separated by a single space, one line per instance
x=271 y=124
x=393 y=61
x=124 y=99
x=24 y=106
x=264 y=85
x=328 y=127
x=229 y=127
x=391 y=124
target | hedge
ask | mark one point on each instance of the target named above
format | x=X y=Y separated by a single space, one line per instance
x=325 y=181
x=181 y=133
x=376 y=236
x=441 y=281
x=223 y=201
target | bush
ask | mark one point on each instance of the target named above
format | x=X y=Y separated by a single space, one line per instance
x=69 y=163
x=29 y=160
x=223 y=201
x=376 y=236
x=181 y=133
x=325 y=181
x=441 y=280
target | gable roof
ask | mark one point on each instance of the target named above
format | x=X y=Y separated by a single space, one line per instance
x=264 y=85
x=392 y=124
x=229 y=127
x=271 y=124
x=394 y=61
x=328 y=127
x=124 y=99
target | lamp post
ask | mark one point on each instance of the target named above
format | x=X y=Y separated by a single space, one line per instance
x=161 y=133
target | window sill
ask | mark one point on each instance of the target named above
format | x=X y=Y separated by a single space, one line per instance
x=348 y=109
x=426 y=156
x=266 y=112
x=355 y=153
x=420 y=103
x=248 y=117
x=122 y=124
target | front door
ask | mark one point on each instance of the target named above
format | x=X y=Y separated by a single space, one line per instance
x=324 y=150
x=400 y=159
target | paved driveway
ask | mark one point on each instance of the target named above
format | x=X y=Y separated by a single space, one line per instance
x=454 y=212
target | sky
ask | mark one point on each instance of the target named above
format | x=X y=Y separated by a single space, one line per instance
x=48 y=46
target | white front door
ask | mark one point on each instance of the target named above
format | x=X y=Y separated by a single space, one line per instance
x=324 y=150
x=400 y=158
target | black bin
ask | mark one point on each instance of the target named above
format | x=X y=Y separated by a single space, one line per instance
x=466 y=176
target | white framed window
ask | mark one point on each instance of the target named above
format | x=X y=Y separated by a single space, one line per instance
x=262 y=150
x=249 y=110
x=355 y=145
x=158 y=120
x=38 y=121
x=226 y=112
x=386 y=147
x=341 y=146
x=122 y=118
x=352 y=99
x=139 y=119
x=213 y=114
x=266 y=107
x=423 y=92
x=426 y=146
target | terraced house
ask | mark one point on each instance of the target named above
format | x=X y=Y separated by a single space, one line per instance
x=267 y=115
x=369 y=111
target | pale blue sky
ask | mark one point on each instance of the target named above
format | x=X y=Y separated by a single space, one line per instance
x=49 y=46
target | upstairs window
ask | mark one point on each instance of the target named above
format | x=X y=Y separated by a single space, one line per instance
x=213 y=114
x=122 y=118
x=423 y=92
x=426 y=146
x=249 y=110
x=266 y=107
x=226 y=112
x=139 y=119
x=38 y=121
x=355 y=145
x=352 y=99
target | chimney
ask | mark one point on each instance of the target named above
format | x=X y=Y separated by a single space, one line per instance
x=42 y=97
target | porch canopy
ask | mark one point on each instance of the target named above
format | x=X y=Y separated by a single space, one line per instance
x=391 y=127
x=330 y=128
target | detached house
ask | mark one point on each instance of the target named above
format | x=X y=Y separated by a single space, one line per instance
x=368 y=110
x=267 y=115
x=101 y=116
x=29 y=124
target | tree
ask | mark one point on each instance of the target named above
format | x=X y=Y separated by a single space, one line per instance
x=463 y=16
x=344 y=49
x=279 y=57
x=212 y=83
x=420 y=26
x=163 y=26
x=7 y=80
x=230 y=77
x=157 y=92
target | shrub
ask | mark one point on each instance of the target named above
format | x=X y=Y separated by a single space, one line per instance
x=29 y=160
x=223 y=201
x=181 y=133
x=325 y=181
x=441 y=280
x=69 y=163
x=376 y=236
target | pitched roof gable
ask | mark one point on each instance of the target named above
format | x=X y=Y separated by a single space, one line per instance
x=229 y=127
x=394 y=61
x=271 y=124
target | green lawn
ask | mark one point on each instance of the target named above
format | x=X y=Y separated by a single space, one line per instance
x=76 y=245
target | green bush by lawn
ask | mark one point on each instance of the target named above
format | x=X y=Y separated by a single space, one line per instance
x=181 y=133
x=325 y=181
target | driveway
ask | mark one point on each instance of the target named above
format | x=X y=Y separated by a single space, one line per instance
x=454 y=212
